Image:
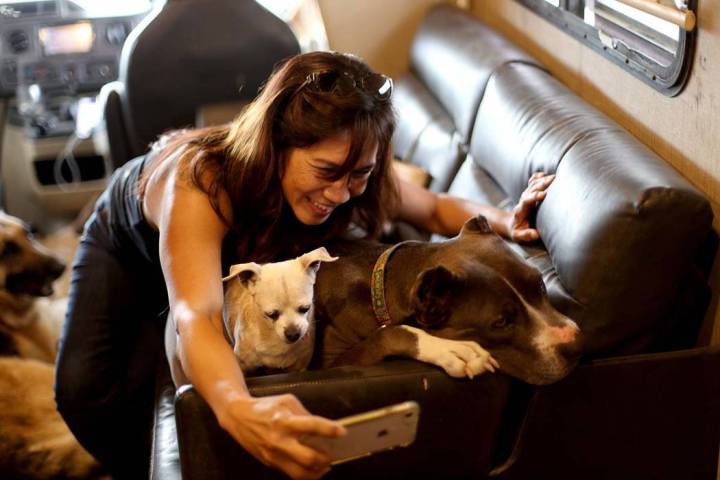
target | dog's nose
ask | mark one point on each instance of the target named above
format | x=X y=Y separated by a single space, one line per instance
x=55 y=268
x=572 y=350
x=292 y=334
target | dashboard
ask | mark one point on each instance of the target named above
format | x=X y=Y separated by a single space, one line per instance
x=59 y=44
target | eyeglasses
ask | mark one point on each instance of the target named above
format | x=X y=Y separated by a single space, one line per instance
x=343 y=83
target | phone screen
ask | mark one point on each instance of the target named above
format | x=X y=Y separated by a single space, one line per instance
x=371 y=432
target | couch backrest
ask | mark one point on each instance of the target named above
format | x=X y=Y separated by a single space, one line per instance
x=438 y=99
x=621 y=230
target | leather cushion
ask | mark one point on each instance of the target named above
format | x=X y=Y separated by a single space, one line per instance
x=526 y=123
x=416 y=107
x=621 y=227
x=472 y=181
x=453 y=55
x=439 y=150
x=425 y=134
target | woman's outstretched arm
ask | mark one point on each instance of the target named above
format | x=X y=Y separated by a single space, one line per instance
x=191 y=235
x=445 y=214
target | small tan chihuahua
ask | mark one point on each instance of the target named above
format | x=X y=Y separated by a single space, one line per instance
x=268 y=314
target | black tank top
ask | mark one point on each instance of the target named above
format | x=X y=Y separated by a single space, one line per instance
x=120 y=209
x=130 y=232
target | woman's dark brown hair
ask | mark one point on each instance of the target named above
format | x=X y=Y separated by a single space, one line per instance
x=247 y=157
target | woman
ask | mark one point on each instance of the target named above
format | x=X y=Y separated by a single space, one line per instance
x=309 y=156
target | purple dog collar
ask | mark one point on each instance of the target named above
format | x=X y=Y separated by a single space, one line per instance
x=377 y=285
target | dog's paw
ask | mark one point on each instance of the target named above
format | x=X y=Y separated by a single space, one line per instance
x=481 y=363
x=459 y=358
x=467 y=359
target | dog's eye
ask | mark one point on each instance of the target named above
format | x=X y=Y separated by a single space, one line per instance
x=303 y=309
x=505 y=319
x=9 y=249
x=273 y=315
x=501 y=322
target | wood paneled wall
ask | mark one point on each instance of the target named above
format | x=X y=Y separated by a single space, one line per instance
x=379 y=31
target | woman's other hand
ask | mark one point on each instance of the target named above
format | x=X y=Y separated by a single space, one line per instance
x=270 y=429
x=519 y=219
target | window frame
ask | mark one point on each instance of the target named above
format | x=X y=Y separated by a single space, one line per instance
x=669 y=80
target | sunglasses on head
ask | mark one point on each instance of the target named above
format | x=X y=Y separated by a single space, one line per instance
x=343 y=83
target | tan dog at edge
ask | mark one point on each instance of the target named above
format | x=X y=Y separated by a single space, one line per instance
x=34 y=440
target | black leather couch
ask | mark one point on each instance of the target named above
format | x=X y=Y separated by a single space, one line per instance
x=626 y=247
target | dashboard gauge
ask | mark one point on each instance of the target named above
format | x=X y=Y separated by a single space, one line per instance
x=116 y=33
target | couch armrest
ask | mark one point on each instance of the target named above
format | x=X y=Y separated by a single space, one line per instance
x=459 y=421
x=642 y=416
x=164 y=460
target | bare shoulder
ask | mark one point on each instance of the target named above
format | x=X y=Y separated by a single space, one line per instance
x=172 y=179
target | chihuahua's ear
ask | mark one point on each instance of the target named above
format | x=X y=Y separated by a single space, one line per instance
x=431 y=296
x=247 y=273
x=311 y=260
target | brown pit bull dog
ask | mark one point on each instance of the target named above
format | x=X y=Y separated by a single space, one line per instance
x=437 y=303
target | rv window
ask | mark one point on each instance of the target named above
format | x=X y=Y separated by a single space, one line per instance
x=305 y=20
x=652 y=39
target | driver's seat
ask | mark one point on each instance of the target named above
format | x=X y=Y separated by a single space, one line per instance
x=186 y=55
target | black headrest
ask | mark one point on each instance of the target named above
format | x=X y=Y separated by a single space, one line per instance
x=191 y=53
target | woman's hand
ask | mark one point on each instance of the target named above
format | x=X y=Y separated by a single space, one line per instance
x=270 y=429
x=519 y=219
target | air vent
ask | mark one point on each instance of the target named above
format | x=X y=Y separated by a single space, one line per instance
x=18 y=41
x=9 y=73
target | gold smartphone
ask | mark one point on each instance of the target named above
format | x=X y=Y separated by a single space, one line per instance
x=371 y=432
